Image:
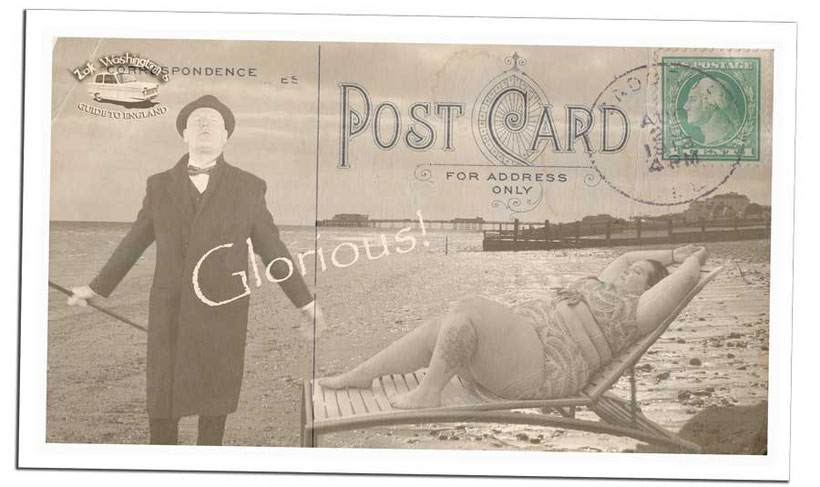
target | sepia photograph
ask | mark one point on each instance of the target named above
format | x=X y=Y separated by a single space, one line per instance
x=322 y=248
x=137 y=210
x=520 y=258
x=589 y=269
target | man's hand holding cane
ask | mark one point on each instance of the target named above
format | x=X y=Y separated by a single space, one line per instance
x=81 y=295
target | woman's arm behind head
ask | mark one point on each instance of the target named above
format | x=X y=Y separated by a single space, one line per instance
x=660 y=300
x=663 y=256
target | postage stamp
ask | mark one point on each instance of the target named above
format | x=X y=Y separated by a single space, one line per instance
x=711 y=107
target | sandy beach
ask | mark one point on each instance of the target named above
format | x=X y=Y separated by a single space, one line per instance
x=706 y=377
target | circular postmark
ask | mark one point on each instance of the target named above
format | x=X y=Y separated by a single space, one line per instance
x=688 y=124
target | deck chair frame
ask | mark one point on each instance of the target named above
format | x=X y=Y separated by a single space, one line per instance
x=325 y=411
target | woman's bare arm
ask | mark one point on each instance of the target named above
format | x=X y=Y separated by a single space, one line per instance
x=665 y=256
x=662 y=298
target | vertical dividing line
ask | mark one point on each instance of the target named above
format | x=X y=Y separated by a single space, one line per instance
x=633 y=399
x=316 y=217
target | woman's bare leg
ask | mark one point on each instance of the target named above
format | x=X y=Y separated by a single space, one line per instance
x=407 y=354
x=498 y=349
x=454 y=348
x=481 y=337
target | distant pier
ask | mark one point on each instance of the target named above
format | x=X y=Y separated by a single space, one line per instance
x=586 y=233
x=354 y=220
x=546 y=236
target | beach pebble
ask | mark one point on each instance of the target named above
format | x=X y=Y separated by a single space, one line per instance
x=644 y=367
x=730 y=355
x=662 y=376
x=535 y=441
x=522 y=436
x=695 y=361
x=684 y=395
x=735 y=334
x=680 y=340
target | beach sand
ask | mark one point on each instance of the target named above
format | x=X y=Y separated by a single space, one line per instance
x=706 y=376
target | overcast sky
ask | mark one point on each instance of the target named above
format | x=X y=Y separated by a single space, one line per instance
x=99 y=165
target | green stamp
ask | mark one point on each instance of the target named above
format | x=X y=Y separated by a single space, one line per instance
x=711 y=108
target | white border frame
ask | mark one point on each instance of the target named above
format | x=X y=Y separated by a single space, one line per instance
x=42 y=27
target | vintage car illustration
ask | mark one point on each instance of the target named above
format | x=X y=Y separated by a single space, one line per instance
x=122 y=88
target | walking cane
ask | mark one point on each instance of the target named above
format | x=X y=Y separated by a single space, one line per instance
x=98 y=307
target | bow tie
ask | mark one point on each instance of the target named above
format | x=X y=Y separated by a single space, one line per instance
x=194 y=170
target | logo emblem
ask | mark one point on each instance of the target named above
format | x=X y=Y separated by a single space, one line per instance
x=113 y=84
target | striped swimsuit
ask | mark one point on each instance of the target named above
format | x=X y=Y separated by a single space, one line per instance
x=566 y=370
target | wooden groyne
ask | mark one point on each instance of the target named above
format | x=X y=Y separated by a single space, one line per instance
x=634 y=233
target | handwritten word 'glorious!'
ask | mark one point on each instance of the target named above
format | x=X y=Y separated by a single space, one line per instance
x=385 y=122
x=343 y=255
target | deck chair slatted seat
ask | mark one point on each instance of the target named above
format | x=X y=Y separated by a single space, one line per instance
x=327 y=410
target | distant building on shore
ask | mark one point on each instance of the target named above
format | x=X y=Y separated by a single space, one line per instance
x=346 y=220
x=350 y=217
x=601 y=218
x=726 y=205
x=757 y=211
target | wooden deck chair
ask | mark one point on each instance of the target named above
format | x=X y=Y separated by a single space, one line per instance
x=328 y=410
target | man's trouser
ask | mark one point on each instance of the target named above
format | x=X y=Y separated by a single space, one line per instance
x=166 y=431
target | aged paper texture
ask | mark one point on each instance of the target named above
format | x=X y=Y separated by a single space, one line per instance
x=524 y=248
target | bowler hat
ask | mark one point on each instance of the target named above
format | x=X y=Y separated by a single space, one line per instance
x=207 y=101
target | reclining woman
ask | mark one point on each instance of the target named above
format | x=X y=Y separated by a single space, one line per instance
x=541 y=349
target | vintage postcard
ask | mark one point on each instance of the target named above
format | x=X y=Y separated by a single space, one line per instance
x=329 y=247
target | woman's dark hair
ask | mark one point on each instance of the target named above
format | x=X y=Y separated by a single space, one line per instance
x=658 y=272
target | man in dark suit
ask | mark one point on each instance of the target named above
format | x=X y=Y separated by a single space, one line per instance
x=204 y=215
